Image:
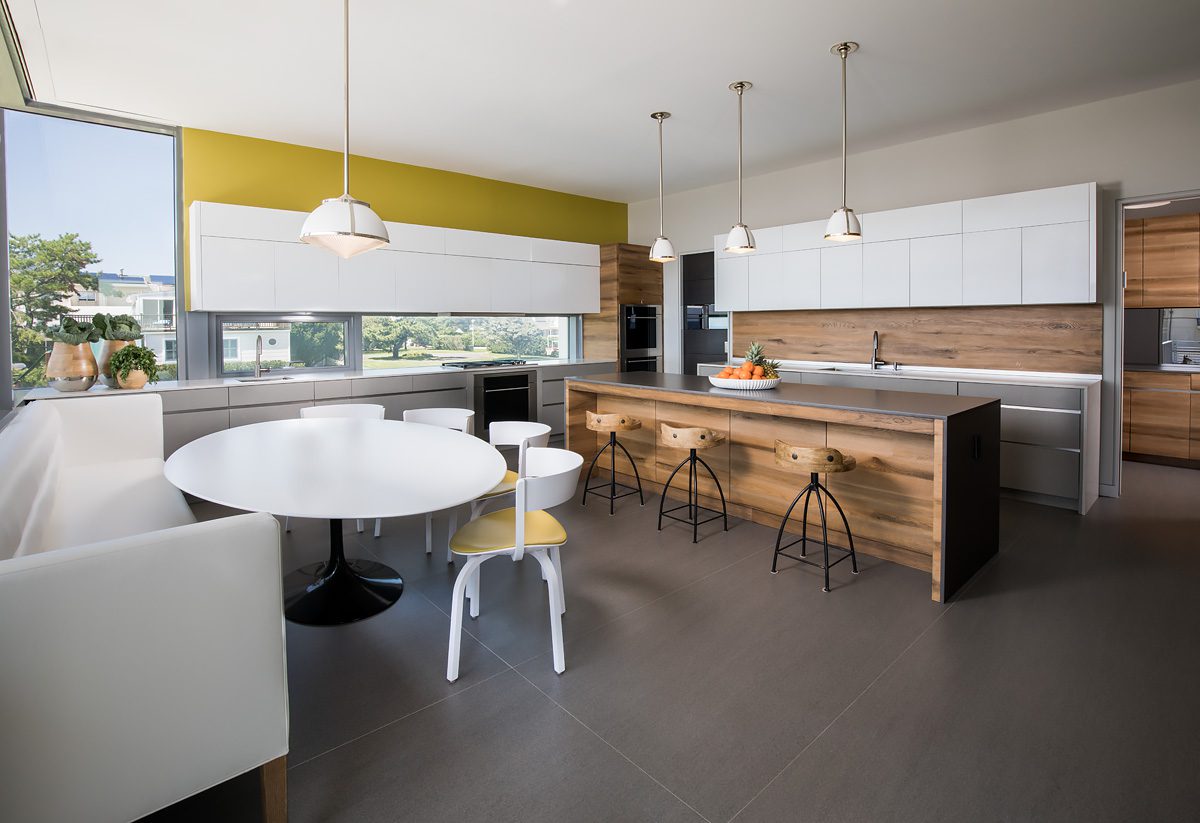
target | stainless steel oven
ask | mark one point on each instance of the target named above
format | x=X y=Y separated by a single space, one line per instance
x=641 y=338
x=505 y=396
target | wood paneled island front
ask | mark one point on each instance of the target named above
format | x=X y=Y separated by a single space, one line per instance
x=925 y=492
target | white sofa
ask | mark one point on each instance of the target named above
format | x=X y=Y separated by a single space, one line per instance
x=141 y=653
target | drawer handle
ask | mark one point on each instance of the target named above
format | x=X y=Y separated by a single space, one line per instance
x=976 y=447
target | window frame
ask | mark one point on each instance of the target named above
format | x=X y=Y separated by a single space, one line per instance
x=352 y=326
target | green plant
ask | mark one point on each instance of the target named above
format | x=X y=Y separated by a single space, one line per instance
x=117 y=326
x=134 y=358
x=72 y=332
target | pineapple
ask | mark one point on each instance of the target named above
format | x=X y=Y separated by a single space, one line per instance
x=756 y=354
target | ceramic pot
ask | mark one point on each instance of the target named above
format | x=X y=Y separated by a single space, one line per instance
x=136 y=379
x=107 y=350
x=71 y=368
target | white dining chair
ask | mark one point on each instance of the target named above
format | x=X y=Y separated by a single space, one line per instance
x=362 y=411
x=519 y=433
x=458 y=419
x=552 y=478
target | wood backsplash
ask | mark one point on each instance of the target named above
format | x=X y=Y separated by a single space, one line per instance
x=1024 y=338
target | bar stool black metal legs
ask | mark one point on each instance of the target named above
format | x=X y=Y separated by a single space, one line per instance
x=692 y=439
x=817 y=462
x=612 y=423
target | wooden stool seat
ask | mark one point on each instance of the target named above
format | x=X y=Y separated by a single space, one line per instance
x=822 y=461
x=612 y=422
x=816 y=462
x=693 y=437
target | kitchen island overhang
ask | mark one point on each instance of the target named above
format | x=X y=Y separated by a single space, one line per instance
x=925 y=493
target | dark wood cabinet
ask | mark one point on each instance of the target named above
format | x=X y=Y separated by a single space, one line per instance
x=1170 y=261
x=1133 y=263
x=1161 y=414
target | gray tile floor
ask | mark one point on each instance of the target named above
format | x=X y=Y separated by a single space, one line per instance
x=1060 y=685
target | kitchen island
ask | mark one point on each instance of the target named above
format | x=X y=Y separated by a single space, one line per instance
x=925 y=493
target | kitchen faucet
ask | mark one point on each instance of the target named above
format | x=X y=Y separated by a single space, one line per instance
x=258 y=367
x=875 y=361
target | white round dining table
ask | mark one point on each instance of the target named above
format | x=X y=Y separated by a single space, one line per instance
x=338 y=469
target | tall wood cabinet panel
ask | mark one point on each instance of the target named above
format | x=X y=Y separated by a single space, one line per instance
x=1194 y=451
x=1171 y=261
x=1160 y=423
x=1133 y=263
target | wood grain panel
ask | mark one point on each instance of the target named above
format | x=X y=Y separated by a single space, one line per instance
x=939 y=520
x=679 y=415
x=1026 y=338
x=1194 y=449
x=640 y=442
x=1124 y=420
x=627 y=275
x=1171 y=261
x=1179 y=381
x=757 y=480
x=1133 y=262
x=1160 y=423
x=579 y=438
x=890 y=496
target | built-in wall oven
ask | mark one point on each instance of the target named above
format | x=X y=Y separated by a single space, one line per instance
x=641 y=338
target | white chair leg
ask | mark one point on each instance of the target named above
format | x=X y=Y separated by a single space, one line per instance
x=562 y=593
x=473 y=592
x=556 y=637
x=456 y=618
x=287 y=524
x=358 y=525
x=449 y=534
x=429 y=533
x=378 y=525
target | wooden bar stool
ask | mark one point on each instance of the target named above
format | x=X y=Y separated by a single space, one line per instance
x=816 y=462
x=693 y=439
x=610 y=424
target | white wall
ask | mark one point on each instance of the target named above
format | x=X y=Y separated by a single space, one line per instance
x=1135 y=145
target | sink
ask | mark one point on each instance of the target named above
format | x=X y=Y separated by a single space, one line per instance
x=261 y=379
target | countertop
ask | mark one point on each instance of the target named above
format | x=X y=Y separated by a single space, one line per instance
x=308 y=377
x=874 y=401
x=1054 y=379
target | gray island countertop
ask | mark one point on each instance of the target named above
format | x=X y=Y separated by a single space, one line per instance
x=873 y=401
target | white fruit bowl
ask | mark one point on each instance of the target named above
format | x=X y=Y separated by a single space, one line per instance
x=744 y=385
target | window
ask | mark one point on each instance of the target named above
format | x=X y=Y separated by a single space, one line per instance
x=170 y=351
x=91 y=230
x=397 y=341
x=287 y=343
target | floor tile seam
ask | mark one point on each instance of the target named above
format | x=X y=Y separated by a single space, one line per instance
x=396 y=720
x=904 y=652
x=620 y=753
x=466 y=630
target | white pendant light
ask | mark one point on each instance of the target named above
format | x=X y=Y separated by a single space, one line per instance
x=343 y=225
x=662 y=251
x=843 y=224
x=741 y=239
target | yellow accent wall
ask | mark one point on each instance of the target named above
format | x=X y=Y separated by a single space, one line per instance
x=247 y=171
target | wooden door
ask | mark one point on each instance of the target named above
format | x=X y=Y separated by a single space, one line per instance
x=1125 y=420
x=1160 y=423
x=1133 y=263
x=1171 y=261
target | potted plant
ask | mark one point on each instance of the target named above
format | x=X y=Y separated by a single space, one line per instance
x=117 y=331
x=134 y=367
x=72 y=365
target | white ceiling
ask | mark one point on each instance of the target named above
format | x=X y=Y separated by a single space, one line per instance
x=557 y=93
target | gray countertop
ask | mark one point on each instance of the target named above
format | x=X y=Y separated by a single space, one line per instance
x=874 y=401
x=1053 y=379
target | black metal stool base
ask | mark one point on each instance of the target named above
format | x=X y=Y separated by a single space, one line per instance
x=815 y=486
x=608 y=490
x=693 y=502
x=339 y=591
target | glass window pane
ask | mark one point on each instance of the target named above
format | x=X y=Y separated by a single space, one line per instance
x=398 y=341
x=91 y=223
x=309 y=344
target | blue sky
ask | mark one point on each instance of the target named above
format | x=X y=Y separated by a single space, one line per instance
x=114 y=187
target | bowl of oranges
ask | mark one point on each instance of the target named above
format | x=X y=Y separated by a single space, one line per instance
x=754 y=373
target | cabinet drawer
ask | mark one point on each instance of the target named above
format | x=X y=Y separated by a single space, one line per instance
x=553 y=391
x=553 y=416
x=194 y=399
x=286 y=392
x=370 y=386
x=1039 y=469
x=1159 y=380
x=183 y=427
x=327 y=389
x=434 y=382
x=880 y=382
x=244 y=416
x=1043 y=397
x=1160 y=422
x=1040 y=427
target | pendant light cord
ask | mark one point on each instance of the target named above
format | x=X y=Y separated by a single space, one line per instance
x=660 y=176
x=739 y=167
x=346 y=98
x=843 y=52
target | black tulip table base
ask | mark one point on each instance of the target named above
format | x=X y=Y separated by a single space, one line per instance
x=339 y=591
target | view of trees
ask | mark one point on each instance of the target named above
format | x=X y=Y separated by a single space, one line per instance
x=44 y=272
x=518 y=336
x=318 y=344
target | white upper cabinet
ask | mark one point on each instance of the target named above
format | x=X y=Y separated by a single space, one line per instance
x=732 y=283
x=884 y=273
x=1056 y=264
x=1065 y=204
x=935 y=271
x=842 y=276
x=246 y=259
x=992 y=268
x=238 y=275
x=306 y=278
x=918 y=221
x=1026 y=247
